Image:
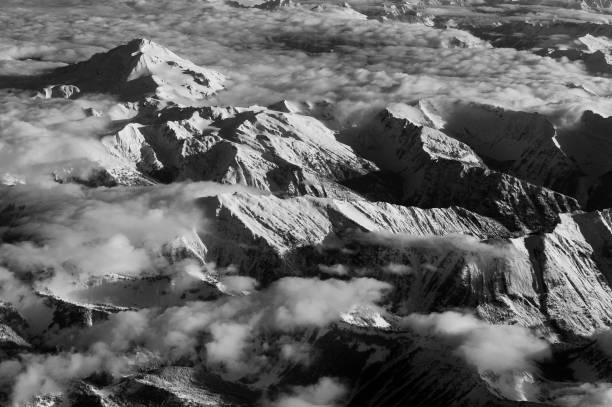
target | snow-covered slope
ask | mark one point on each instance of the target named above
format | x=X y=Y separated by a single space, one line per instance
x=12 y=329
x=284 y=153
x=305 y=253
x=440 y=171
x=518 y=143
x=267 y=224
x=557 y=280
x=137 y=69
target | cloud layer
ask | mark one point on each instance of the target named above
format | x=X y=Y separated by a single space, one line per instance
x=297 y=53
x=55 y=239
x=233 y=336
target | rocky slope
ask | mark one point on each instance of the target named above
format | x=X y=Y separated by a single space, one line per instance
x=285 y=153
x=437 y=254
x=536 y=278
x=439 y=170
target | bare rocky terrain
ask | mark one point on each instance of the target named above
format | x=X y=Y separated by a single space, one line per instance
x=305 y=204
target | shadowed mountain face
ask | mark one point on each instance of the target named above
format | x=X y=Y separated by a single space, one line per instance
x=315 y=205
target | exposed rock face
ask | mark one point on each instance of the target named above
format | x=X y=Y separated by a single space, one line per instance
x=440 y=171
x=596 y=228
x=61 y=91
x=12 y=329
x=395 y=11
x=589 y=145
x=272 y=233
x=531 y=280
x=68 y=313
x=526 y=145
x=597 y=62
x=178 y=386
x=261 y=4
x=417 y=372
x=518 y=143
x=574 y=293
x=595 y=4
x=449 y=205
x=137 y=69
x=118 y=293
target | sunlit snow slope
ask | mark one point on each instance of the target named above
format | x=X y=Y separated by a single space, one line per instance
x=305 y=204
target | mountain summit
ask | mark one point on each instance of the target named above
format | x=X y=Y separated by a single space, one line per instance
x=141 y=68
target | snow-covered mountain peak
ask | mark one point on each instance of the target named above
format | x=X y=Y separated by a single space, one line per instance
x=142 y=68
x=407 y=211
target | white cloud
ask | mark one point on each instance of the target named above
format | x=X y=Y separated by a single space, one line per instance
x=267 y=55
x=327 y=392
x=396 y=268
x=445 y=243
x=79 y=233
x=585 y=395
x=74 y=234
x=21 y=296
x=334 y=269
x=235 y=332
x=301 y=302
x=497 y=348
x=43 y=374
x=228 y=344
x=238 y=284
